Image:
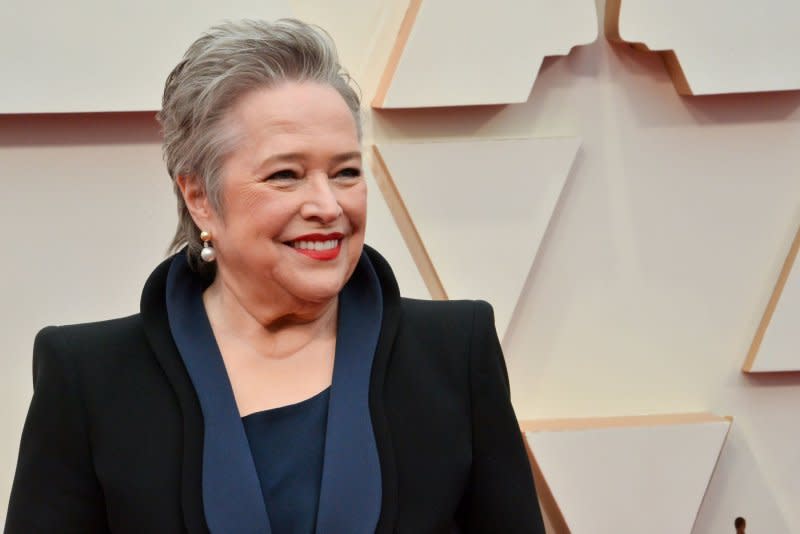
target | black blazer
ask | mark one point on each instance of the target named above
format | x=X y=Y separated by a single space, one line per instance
x=113 y=439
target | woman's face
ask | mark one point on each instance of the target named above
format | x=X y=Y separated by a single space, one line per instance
x=294 y=201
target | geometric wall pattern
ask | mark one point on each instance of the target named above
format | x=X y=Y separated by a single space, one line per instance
x=91 y=55
x=715 y=46
x=384 y=234
x=776 y=346
x=594 y=475
x=625 y=475
x=477 y=211
x=451 y=52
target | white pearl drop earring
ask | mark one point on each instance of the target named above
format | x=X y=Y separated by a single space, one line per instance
x=208 y=254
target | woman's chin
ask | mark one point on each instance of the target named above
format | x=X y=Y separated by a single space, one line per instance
x=318 y=293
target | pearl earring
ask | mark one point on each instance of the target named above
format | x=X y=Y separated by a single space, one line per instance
x=208 y=254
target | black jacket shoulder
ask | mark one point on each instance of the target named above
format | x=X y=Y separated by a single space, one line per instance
x=96 y=351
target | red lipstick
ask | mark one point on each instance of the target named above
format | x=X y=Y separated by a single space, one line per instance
x=324 y=247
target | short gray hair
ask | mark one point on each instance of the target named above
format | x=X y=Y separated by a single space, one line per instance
x=225 y=63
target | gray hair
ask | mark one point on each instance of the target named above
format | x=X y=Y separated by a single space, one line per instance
x=221 y=66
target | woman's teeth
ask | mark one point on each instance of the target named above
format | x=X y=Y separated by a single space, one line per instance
x=316 y=245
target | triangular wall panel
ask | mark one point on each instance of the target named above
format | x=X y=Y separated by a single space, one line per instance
x=625 y=475
x=776 y=346
x=715 y=46
x=456 y=53
x=384 y=235
x=479 y=210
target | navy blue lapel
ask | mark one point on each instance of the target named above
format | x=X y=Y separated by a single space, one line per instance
x=350 y=495
x=232 y=498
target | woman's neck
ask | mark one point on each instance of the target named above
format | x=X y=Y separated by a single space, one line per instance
x=278 y=326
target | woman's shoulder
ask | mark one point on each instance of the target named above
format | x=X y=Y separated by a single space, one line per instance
x=86 y=335
x=447 y=311
x=447 y=320
x=83 y=343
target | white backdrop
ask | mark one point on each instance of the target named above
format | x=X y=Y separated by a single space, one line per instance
x=648 y=288
x=77 y=56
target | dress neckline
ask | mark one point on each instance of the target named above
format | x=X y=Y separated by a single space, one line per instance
x=289 y=409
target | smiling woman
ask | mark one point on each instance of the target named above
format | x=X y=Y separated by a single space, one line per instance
x=293 y=177
x=274 y=379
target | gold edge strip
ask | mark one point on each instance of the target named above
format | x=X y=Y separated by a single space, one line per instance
x=397 y=52
x=773 y=303
x=405 y=223
x=594 y=423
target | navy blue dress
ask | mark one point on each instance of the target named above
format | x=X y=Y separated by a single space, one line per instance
x=288 y=445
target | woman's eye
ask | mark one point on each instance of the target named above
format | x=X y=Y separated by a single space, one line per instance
x=283 y=175
x=350 y=172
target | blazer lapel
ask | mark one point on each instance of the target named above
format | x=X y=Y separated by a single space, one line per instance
x=232 y=497
x=350 y=491
x=156 y=324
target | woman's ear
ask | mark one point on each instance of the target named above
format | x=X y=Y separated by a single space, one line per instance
x=197 y=202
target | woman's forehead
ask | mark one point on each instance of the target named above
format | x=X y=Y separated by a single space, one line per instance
x=294 y=108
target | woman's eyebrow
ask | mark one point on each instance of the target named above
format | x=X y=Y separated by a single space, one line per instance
x=346 y=156
x=299 y=156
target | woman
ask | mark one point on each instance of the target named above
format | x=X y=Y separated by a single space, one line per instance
x=274 y=380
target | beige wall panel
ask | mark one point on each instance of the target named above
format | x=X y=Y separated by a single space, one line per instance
x=359 y=35
x=457 y=52
x=652 y=278
x=92 y=55
x=87 y=209
x=625 y=475
x=481 y=209
x=715 y=46
x=385 y=237
x=776 y=346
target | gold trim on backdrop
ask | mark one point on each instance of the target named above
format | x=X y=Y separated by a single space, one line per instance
x=547 y=502
x=406 y=226
x=397 y=51
x=627 y=421
x=553 y=514
x=773 y=303
x=670 y=59
x=611 y=22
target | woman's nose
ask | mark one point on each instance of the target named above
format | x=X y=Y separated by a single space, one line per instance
x=321 y=202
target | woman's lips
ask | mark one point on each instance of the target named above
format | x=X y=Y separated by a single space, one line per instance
x=324 y=247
